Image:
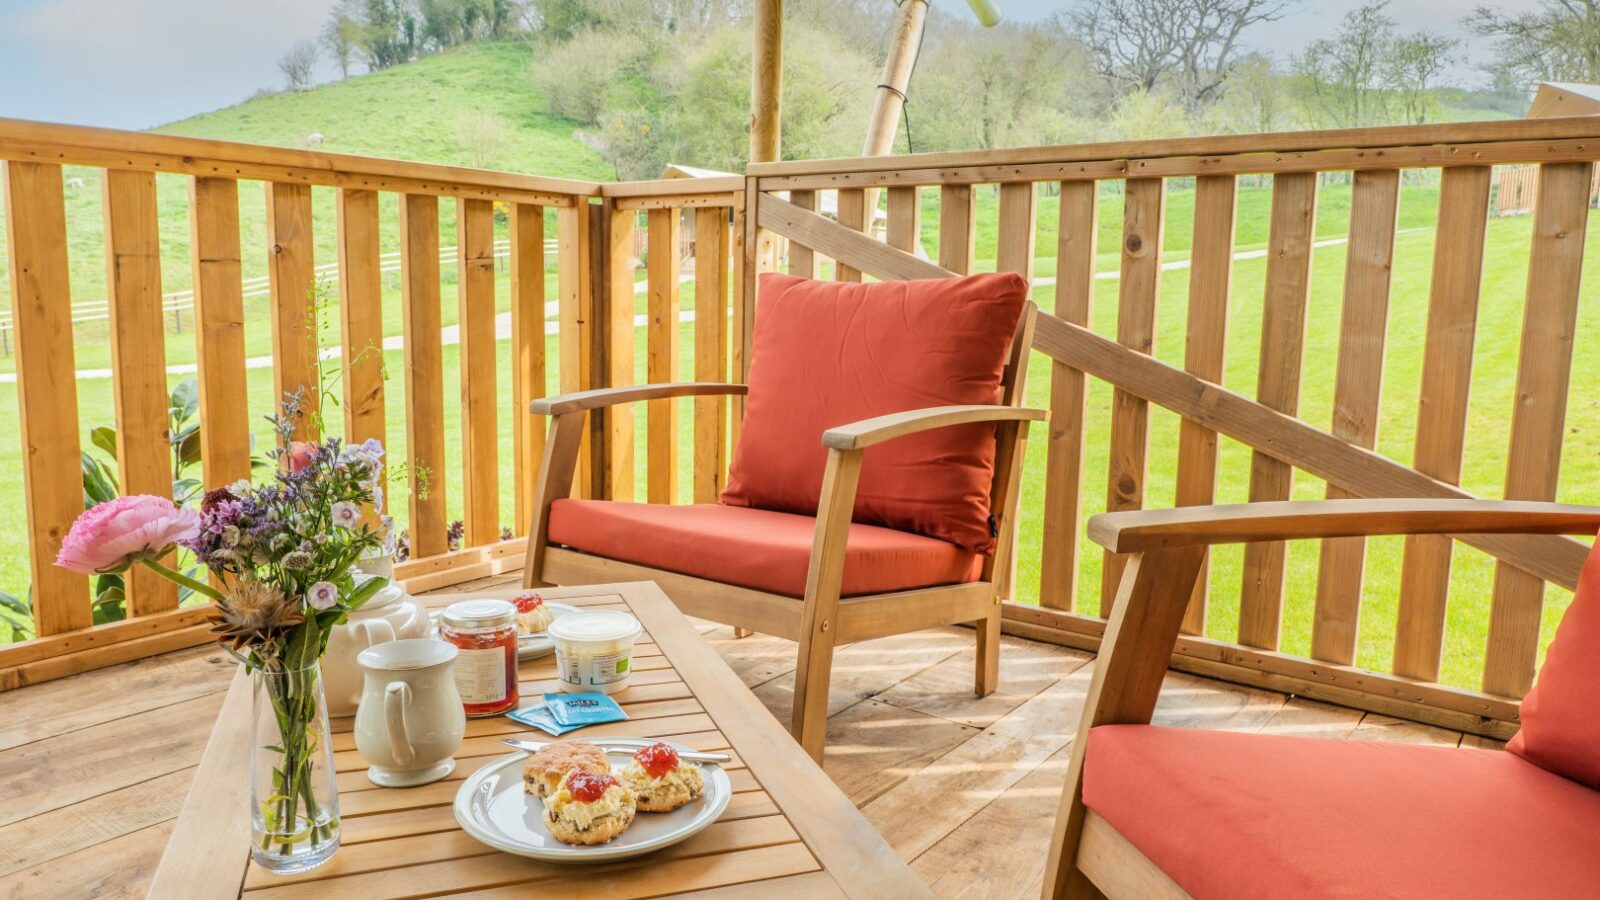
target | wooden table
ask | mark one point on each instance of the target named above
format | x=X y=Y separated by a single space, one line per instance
x=788 y=832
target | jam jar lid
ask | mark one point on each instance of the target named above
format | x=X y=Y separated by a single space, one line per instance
x=480 y=614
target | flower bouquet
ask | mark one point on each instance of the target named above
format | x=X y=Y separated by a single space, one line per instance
x=280 y=556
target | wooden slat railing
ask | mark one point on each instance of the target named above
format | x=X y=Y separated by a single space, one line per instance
x=593 y=339
x=1340 y=451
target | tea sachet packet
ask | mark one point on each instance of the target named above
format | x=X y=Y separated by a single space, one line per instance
x=560 y=713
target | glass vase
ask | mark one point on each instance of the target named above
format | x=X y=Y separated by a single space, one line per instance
x=294 y=801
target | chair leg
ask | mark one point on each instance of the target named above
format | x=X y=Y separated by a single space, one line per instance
x=809 y=718
x=742 y=632
x=987 y=671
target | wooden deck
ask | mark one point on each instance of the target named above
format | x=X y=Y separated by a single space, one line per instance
x=94 y=768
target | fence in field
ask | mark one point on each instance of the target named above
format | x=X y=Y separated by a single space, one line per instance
x=738 y=224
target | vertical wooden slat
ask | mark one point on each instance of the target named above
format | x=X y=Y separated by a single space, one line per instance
x=1538 y=420
x=598 y=356
x=802 y=260
x=138 y=360
x=1063 y=484
x=420 y=321
x=661 y=354
x=1136 y=328
x=958 y=227
x=1369 y=264
x=1283 y=334
x=1205 y=343
x=1442 y=408
x=526 y=235
x=292 y=275
x=219 y=330
x=361 y=314
x=1013 y=253
x=710 y=349
x=574 y=284
x=621 y=261
x=743 y=300
x=480 y=441
x=905 y=218
x=853 y=213
x=47 y=411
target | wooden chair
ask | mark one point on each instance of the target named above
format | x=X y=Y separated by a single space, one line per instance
x=821 y=619
x=1090 y=858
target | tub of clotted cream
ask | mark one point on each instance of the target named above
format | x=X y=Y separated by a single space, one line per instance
x=594 y=650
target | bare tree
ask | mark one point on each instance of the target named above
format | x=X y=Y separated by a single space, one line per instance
x=1187 y=45
x=1416 y=64
x=1343 y=78
x=1559 y=41
x=299 y=64
x=341 y=36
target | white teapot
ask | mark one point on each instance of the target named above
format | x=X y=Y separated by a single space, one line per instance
x=390 y=615
x=411 y=719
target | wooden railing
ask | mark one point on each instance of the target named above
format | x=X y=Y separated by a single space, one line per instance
x=593 y=269
x=1458 y=160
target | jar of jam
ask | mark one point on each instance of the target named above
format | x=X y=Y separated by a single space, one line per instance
x=486 y=669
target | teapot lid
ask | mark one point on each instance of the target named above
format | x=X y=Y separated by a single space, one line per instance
x=386 y=595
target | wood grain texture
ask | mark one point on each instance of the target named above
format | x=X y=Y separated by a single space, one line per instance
x=47 y=407
x=424 y=361
x=291 y=271
x=819 y=615
x=621 y=266
x=1544 y=370
x=661 y=353
x=802 y=260
x=1014 y=241
x=1358 y=382
x=1442 y=408
x=904 y=210
x=710 y=351
x=480 y=433
x=526 y=232
x=958 y=227
x=1142 y=213
x=138 y=360
x=1283 y=335
x=219 y=330
x=361 y=317
x=1205 y=345
x=575 y=313
x=853 y=215
x=868 y=256
x=1079 y=220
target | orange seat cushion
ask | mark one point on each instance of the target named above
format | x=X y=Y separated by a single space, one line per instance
x=1265 y=816
x=828 y=353
x=754 y=548
x=1561 y=715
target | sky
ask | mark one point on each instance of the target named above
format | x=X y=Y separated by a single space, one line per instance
x=140 y=63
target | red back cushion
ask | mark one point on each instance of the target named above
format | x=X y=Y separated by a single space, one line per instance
x=1561 y=715
x=829 y=353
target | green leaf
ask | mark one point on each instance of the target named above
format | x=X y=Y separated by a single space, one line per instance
x=186 y=489
x=17 y=612
x=109 y=602
x=185 y=400
x=105 y=437
x=188 y=449
x=99 y=485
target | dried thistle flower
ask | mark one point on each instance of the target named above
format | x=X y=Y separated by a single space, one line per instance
x=253 y=613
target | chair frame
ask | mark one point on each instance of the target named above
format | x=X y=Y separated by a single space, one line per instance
x=821 y=619
x=1090 y=858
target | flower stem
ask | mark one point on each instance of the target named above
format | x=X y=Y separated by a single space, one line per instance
x=186 y=581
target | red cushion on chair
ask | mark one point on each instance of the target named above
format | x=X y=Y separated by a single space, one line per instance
x=1265 y=816
x=829 y=353
x=754 y=548
x=1561 y=715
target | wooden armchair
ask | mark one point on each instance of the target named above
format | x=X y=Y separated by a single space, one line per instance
x=1421 y=831
x=825 y=614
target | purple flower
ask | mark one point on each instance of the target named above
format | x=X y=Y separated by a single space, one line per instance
x=346 y=514
x=323 y=595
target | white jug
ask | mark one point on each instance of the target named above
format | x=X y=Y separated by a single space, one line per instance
x=390 y=615
x=410 y=720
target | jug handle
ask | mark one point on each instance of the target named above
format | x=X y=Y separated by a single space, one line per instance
x=396 y=697
x=367 y=629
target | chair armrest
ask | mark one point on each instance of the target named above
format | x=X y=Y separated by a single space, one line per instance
x=602 y=397
x=1136 y=531
x=867 y=432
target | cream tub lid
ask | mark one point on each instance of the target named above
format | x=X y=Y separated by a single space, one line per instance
x=598 y=625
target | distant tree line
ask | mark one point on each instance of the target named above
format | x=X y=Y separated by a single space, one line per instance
x=658 y=81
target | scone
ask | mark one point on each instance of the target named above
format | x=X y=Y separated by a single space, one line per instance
x=662 y=781
x=543 y=772
x=533 y=616
x=588 y=808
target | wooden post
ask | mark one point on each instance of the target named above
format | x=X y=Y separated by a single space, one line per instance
x=766 y=82
x=903 y=48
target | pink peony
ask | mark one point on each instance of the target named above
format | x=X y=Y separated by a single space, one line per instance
x=114 y=535
x=301 y=455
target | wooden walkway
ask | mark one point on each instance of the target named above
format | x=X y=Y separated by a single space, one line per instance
x=94 y=768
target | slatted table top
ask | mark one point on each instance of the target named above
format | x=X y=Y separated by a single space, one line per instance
x=788 y=832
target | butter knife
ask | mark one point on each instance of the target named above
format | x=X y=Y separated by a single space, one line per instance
x=623 y=745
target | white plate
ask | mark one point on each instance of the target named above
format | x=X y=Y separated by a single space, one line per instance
x=494 y=807
x=529 y=646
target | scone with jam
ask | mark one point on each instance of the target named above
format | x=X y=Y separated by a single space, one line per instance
x=588 y=808
x=662 y=782
x=533 y=616
x=544 y=771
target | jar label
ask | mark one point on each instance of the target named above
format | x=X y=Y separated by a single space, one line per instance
x=481 y=675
